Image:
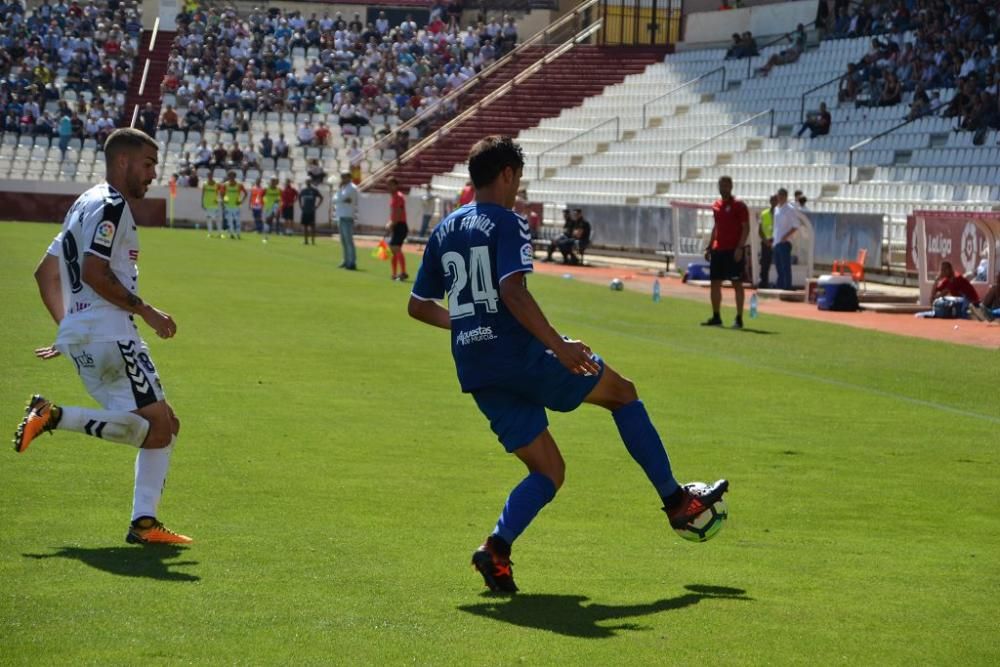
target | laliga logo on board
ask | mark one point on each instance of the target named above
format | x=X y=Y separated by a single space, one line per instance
x=969 y=245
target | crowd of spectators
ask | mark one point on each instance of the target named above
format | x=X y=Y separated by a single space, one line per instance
x=224 y=67
x=954 y=45
x=88 y=47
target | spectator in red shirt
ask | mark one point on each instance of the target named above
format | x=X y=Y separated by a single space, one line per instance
x=397 y=230
x=950 y=283
x=726 y=251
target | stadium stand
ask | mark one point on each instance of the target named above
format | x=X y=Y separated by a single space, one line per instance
x=65 y=69
x=599 y=125
x=634 y=144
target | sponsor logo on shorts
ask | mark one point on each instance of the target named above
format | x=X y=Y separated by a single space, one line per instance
x=83 y=360
x=105 y=234
x=477 y=335
x=527 y=254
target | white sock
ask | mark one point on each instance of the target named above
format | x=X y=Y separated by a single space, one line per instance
x=126 y=428
x=151 y=467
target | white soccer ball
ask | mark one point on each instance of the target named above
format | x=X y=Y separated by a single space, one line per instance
x=616 y=285
x=706 y=525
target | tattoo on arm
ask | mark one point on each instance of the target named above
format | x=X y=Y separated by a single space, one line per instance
x=132 y=300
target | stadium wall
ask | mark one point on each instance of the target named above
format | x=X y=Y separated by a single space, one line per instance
x=48 y=202
x=762 y=21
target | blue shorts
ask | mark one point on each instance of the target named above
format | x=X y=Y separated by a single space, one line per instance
x=516 y=407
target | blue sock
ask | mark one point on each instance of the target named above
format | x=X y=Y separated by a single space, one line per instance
x=643 y=443
x=523 y=504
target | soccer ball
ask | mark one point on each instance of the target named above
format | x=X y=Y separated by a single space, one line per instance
x=706 y=525
x=616 y=285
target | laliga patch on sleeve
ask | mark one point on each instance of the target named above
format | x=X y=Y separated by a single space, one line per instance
x=105 y=234
x=527 y=254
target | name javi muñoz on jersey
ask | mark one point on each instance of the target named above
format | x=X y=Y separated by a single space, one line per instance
x=467 y=257
x=99 y=223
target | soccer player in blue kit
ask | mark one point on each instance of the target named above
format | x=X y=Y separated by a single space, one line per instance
x=516 y=365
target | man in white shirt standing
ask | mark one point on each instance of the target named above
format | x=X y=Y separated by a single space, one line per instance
x=787 y=220
x=346 y=210
x=88 y=282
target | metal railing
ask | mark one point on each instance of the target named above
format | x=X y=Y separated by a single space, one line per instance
x=538 y=160
x=864 y=142
x=443 y=131
x=645 y=105
x=802 y=105
x=145 y=70
x=540 y=37
x=680 y=156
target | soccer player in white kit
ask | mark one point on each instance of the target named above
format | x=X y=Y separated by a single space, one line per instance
x=88 y=282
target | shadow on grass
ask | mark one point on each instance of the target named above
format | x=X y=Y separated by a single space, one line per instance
x=148 y=561
x=568 y=615
x=759 y=332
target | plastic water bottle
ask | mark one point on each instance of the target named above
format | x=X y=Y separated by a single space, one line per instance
x=753 y=306
x=656 y=290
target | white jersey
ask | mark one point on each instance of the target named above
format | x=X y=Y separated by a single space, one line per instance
x=99 y=223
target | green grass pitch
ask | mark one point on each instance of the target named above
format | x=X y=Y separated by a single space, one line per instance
x=337 y=481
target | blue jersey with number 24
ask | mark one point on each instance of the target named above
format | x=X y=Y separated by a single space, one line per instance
x=468 y=255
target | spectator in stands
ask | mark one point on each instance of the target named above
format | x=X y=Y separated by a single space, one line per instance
x=920 y=105
x=266 y=147
x=315 y=172
x=305 y=134
x=65 y=134
x=169 y=120
x=219 y=156
x=251 y=159
x=280 y=149
x=147 y=119
x=892 y=91
x=322 y=136
x=194 y=121
x=234 y=159
x=950 y=283
x=817 y=123
x=744 y=46
x=354 y=158
x=850 y=84
x=789 y=55
x=735 y=49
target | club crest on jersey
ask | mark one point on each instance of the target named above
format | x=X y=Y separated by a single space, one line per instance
x=105 y=233
x=527 y=254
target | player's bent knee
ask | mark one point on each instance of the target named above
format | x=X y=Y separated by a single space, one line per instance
x=160 y=434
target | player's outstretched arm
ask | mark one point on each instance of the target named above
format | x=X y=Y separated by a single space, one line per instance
x=429 y=312
x=573 y=354
x=98 y=274
x=50 y=287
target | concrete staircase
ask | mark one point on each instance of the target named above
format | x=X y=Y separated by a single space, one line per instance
x=157 y=68
x=565 y=82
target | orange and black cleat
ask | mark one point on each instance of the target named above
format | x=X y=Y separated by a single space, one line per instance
x=695 y=499
x=40 y=416
x=492 y=560
x=147 y=530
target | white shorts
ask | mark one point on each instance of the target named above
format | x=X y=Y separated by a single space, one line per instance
x=117 y=374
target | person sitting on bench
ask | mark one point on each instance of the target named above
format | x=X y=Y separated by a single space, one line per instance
x=575 y=238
